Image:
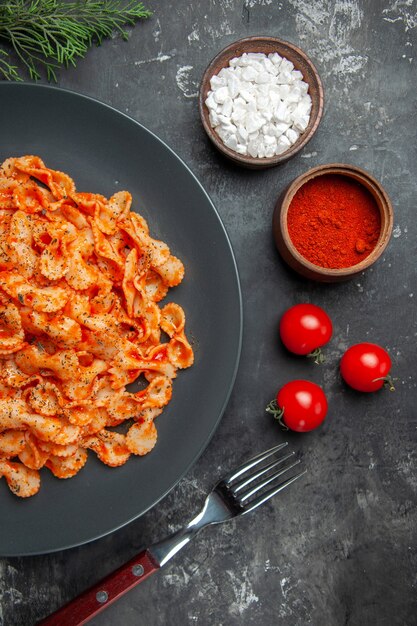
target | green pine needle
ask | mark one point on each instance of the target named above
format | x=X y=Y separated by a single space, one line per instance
x=48 y=34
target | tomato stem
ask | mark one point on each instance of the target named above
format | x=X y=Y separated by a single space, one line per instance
x=277 y=413
x=317 y=355
x=388 y=382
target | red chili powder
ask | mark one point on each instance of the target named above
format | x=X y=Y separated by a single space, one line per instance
x=333 y=221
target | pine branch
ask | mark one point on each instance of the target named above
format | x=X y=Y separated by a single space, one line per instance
x=48 y=34
x=7 y=70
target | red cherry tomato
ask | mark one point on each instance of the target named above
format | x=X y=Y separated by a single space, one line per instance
x=304 y=328
x=365 y=367
x=300 y=405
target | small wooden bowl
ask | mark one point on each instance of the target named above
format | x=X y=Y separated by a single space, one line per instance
x=301 y=62
x=289 y=252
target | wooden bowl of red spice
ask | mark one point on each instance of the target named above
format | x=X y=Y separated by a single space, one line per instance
x=333 y=222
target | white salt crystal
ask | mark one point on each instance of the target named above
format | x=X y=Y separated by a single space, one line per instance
x=243 y=60
x=283 y=143
x=281 y=128
x=261 y=149
x=262 y=78
x=241 y=149
x=268 y=140
x=305 y=105
x=224 y=72
x=284 y=78
x=273 y=88
x=292 y=135
x=249 y=73
x=275 y=58
x=273 y=98
x=222 y=133
x=210 y=102
x=223 y=119
x=267 y=114
x=238 y=116
x=227 y=107
x=284 y=90
x=217 y=81
x=253 y=147
x=279 y=150
x=253 y=122
x=231 y=142
x=246 y=95
x=301 y=123
x=269 y=129
x=263 y=89
x=242 y=134
x=239 y=103
x=214 y=119
x=281 y=113
x=230 y=128
x=221 y=94
x=262 y=102
x=294 y=95
x=269 y=66
x=233 y=85
x=286 y=65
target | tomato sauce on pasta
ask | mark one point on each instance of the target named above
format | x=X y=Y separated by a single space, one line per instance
x=81 y=285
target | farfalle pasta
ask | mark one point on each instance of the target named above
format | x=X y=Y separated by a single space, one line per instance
x=81 y=285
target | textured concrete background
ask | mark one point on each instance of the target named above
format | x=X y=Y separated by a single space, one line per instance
x=340 y=547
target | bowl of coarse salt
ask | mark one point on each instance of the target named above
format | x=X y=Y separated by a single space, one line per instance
x=261 y=100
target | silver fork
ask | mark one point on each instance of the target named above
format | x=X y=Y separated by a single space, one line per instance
x=238 y=493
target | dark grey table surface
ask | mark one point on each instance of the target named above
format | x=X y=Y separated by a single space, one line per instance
x=340 y=547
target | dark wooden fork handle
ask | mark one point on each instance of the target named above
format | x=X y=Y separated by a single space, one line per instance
x=85 y=606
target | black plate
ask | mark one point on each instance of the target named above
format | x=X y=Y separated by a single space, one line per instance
x=103 y=150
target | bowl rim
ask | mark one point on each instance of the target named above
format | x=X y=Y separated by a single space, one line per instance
x=360 y=175
x=262 y=162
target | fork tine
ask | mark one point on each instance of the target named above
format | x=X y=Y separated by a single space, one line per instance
x=261 y=472
x=272 y=492
x=268 y=480
x=252 y=463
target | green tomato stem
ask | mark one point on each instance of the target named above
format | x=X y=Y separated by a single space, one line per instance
x=277 y=413
x=317 y=355
x=388 y=382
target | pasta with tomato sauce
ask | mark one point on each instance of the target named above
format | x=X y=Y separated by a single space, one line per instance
x=81 y=317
